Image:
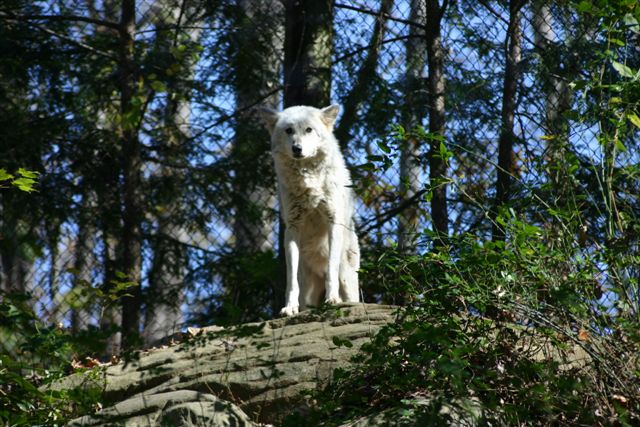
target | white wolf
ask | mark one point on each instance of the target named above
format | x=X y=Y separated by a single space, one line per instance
x=316 y=200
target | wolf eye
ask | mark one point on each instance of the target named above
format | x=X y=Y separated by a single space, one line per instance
x=289 y=131
x=308 y=130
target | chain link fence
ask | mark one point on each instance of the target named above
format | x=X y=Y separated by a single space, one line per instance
x=205 y=191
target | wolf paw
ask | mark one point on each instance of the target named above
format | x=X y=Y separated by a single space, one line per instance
x=333 y=300
x=289 y=310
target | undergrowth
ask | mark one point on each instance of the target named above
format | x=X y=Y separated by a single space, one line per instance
x=494 y=333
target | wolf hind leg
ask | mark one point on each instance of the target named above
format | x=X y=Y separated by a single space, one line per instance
x=349 y=265
x=313 y=291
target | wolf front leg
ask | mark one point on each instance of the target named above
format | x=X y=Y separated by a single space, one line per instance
x=336 y=240
x=292 y=253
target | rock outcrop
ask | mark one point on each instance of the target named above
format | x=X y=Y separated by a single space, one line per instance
x=240 y=376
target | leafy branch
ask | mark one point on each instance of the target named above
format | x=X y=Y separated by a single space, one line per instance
x=23 y=180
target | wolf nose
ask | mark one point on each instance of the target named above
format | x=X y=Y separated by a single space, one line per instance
x=297 y=150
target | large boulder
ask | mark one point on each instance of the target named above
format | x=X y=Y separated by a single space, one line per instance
x=235 y=376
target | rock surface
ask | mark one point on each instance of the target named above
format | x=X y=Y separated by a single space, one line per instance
x=174 y=408
x=260 y=367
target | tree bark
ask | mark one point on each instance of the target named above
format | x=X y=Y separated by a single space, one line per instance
x=257 y=55
x=506 y=156
x=258 y=50
x=307 y=57
x=131 y=164
x=436 y=86
x=16 y=270
x=166 y=294
x=111 y=315
x=413 y=113
x=105 y=186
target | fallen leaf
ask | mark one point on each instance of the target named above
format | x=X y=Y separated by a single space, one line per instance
x=583 y=335
x=91 y=362
x=76 y=364
x=620 y=398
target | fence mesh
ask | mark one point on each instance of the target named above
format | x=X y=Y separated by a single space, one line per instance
x=206 y=196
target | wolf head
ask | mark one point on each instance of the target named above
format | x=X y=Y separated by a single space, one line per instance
x=300 y=132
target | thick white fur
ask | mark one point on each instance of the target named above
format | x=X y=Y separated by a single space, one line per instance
x=316 y=200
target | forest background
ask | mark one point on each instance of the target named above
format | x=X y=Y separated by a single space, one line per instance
x=493 y=146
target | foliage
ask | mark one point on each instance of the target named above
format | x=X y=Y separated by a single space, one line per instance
x=499 y=326
x=33 y=355
x=253 y=276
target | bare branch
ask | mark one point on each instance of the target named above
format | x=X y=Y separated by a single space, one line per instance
x=377 y=14
x=363 y=48
x=73 y=18
x=72 y=41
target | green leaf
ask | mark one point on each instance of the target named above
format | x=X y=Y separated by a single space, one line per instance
x=620 y=146
x=158 y=86
x=28 y=174
x=633 y=118
x=623 y=70
x=631 y=23
x=617 y=42
x=444 y=153
x=4 y=175
x=584 y=6
x=339 y=342
x=384 y=147
x=25 y=184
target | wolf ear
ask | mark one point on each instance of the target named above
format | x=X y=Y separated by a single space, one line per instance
x=329 y=114
x=269 y=117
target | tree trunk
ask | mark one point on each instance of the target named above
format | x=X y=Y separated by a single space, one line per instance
x=16 y=271
x=365 y=77
x=307 y=57
x=412 y=114
x=556 y=93
x=131 y=163
x=83 y=262
x=111 y=315
x=436 y=86
x=257 y=54
x=110 y=218
x=106 y=189
x=257 y=65
x=506 y=156
x=167 y=276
